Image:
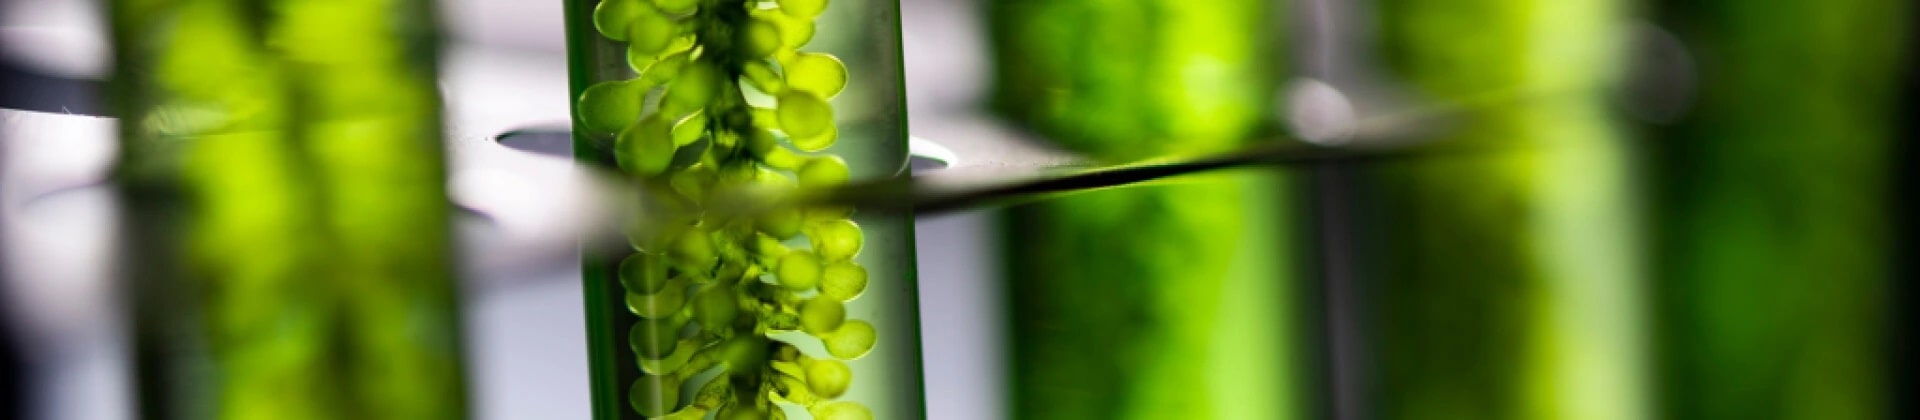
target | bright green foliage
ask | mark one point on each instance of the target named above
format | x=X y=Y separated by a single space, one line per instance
x=825 y=171
x=1525 y=260
x=759 y=39
x=819 y=141
x=696 y=84
x=689 y=129
x=716 y=307
x=694 y=250
x=803 y=9
x=820 y=316
x=744 y=413
x=1156 y=301
x=651 y=31
x=836 y=240
x=615 y=18
x=762 y=76
x=654 y=338
x=852 y=340
x=799 y=270
x=700 y=286
x=1773 y=256
x=745 y=354
x=802 y=114
x=645 y=147
x=843 y=280
x=782 y=223
x=643 y=273
x=822 y=74
x=842 y=410
x=655 y=395
x=660 y=70
x=282 y=166
x=660 y=304
x=828 y=378
x=794 y=32
x=677 y=7
x=1133 y=78
x=610 y=106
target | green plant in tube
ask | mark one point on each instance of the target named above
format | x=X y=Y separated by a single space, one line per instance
x=287 y=210
x=1166 y=300
x=713 y=312
x=1506 y=284
x=1773 y=252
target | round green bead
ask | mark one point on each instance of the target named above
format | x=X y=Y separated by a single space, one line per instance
x=651 y=31
x=854 y=339
x=803 y=9
x=828 y=378
x=823 y=171
x=821 y=316
x=842 y=410
x=843 y=280
x=836 y=240
x=820 y=73
x=758 y=38
x=802 y=114
x=654 y=396
x=660 y=304
x=798 y=271
x=696 y=85
x=781 y=223
x=613 y=18
x=654 y=338
x=643 y=273
x=607 y=107
x=646 y=147
x=817 y=142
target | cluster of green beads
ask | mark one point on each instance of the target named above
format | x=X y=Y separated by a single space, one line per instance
x=700 y=287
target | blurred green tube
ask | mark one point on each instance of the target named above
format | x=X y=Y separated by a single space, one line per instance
x=1505 y=285
x=1773 y=234
x=287 y=215
x=1160 y=301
